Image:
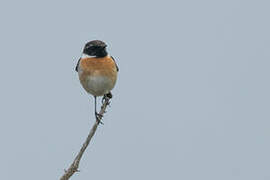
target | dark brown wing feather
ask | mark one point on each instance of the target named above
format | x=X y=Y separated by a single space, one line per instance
x=77 y=66
x=115 y=64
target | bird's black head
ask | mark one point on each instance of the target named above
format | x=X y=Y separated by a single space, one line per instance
x=95 y=48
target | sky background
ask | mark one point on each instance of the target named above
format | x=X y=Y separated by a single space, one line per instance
x=191 y=102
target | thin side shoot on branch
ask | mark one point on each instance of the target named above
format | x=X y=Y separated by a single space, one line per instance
x=75 y=164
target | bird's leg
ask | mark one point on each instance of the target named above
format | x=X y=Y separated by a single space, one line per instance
x=98 y=116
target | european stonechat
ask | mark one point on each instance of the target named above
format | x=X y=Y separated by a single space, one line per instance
x=97 y=71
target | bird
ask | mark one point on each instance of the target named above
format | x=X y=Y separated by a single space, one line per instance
x=97 y=71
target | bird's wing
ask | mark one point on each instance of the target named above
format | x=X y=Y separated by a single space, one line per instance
x=115 y=64
x=77 y=66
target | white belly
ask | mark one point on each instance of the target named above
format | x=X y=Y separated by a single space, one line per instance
x=98 y=85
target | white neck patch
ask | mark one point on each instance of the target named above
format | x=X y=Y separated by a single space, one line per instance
x=87 y=56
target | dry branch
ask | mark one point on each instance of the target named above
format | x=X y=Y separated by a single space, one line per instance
x=75 y=164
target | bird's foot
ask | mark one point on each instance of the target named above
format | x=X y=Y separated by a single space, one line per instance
x=107 y=97
x=98 y=118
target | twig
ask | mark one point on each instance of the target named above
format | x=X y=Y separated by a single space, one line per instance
x=75 y=164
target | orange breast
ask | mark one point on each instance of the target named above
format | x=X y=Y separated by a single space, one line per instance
x=97 y=67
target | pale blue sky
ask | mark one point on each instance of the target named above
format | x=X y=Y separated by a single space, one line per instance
x=191 y=101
